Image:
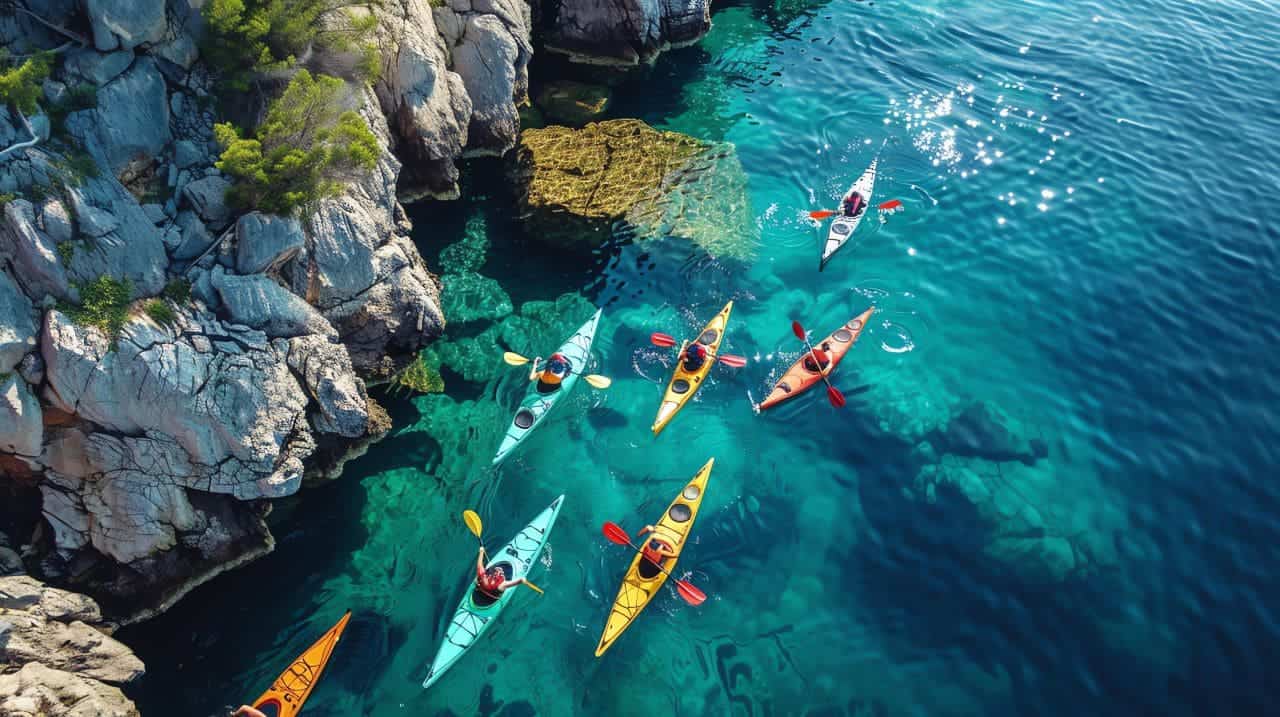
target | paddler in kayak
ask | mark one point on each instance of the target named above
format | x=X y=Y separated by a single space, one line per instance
x=823 y=357
x=695 y=354
x=247 y=711
x=492 y=582
x=656 y=550
x=552 y=374
x=853 y=205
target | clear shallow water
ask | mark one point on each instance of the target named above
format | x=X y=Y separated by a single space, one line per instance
x=1088 y=243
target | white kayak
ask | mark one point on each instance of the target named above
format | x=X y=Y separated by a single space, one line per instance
x=538 y=402
x=843 y=225
x=477 y=610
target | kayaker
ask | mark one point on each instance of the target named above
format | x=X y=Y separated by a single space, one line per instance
x=853 y=205
x=247 y=711
x=492 y=582
x=656 y=550
x=553 y=373
x=823 y=357
x=695 y=354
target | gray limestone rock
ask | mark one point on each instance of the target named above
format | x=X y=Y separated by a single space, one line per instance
x=40 y=691
x=21 y=429
x=97 y=67
x=325 y=370
x=208 y=197
x=31 y=253
x=264 y=241
x=492 y=61
x=17 y=324
x=259 y=302
x=130 y=125
x=625 y=32
x=125 y=24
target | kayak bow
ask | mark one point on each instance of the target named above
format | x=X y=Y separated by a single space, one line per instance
x=643 y=579
x=292 y=688
x=686 y=383
x=476 y=612
x=799 y=378
x=537 y=404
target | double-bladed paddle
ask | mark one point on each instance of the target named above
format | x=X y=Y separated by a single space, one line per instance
x=890 y=206
x=691 y=594
x=837 y=398
x=602 y=382
x=472 y=519
x=666 y=341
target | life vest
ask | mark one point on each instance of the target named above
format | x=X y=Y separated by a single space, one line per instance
x=651 y=554
x=823 y=360
x=491 y=582
x=556 y=369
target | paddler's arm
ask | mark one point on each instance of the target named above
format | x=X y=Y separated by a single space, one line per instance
x=533 y=369
x=247 y=711
x=645 y=529
x=511 y=584
x=480 y=563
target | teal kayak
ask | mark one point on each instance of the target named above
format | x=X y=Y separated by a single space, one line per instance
x=538 y=403
x=477 y=610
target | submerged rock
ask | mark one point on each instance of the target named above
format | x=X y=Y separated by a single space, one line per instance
x=579 y=187
x=573 y=103
x=471 y=297
x=625 y=32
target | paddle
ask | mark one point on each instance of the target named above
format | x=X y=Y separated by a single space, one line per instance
x=822 y=214
x=472 y=519
x=666 y=341
x=837 y=398
x=691 y=594
x=515 y=359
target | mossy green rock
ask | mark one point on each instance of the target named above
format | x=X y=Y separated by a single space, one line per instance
x=577 y=187
x=573 y=103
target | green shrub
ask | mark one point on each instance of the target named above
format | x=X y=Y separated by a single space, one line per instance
x=6 y=198
x=177 y=291
x=20 y=87
x=308 y=148
x=160 y=311
x=66 y=251
x=246 y=37
x=79 y=97
x=77 y=167
x=104 y=303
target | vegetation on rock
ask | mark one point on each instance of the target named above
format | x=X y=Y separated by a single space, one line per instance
x=20 y=87
x=247 y=37
x=104 y=303
x=177 y=291
x=307 y=149
x=420 y=377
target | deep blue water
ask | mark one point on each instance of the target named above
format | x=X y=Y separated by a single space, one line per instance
x=1088 y=243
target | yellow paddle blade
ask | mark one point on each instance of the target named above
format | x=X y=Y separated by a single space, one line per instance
x=514 y=359
x=532 y=587
x=472 y=519
x=601 y=382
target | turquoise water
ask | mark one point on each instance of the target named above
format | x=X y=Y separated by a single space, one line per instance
x=1088 y=245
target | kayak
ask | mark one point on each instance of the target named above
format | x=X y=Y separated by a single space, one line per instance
x=477 y=610
x=538 y=401
x=686 y=383
x=643 y=579
x=799 y=378
x=285 y=696
x=842 y=226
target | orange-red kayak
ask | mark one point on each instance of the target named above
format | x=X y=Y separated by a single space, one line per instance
x=292 y=688
x=799 y=378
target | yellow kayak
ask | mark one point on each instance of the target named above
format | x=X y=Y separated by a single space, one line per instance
x=686 y=383
x=643 y=579
x=294 y=685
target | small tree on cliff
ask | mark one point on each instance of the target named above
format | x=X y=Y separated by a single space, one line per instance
x=247 y=37
x=20 y=90
x=309 y=147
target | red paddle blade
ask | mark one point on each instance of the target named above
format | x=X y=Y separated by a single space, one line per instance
x=691 y=595
x=661 y=339
x=891 y=204
x=798 y=330
x=821 y=214
x=616 y=534
x=734 y=361
x=837 y=398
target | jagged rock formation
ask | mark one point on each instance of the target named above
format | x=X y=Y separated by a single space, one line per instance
x=56 y=654
x=624 y=32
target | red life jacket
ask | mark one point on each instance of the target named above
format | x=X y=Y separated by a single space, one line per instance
x=653 y=556
x=491 y=582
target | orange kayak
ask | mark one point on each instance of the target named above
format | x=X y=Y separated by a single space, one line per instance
x=294 y=685
x=800 y=378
